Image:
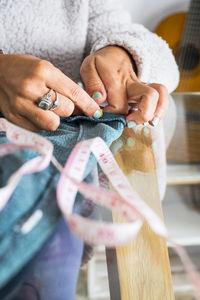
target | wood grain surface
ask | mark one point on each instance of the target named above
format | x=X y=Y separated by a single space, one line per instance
x=143 y=265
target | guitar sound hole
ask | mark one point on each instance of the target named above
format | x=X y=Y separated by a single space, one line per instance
x=188 y=57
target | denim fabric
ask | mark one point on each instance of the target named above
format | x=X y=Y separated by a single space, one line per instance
x=54 y=271
x=38 y=191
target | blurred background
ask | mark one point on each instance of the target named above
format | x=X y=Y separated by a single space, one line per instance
x=155 y=11
x=178 y=22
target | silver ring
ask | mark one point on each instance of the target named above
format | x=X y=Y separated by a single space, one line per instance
x=56 y=102
x=46 y=102
x=146 y=83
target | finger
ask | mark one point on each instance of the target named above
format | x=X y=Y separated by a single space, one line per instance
x=162 y=103
x=56 y=80
x=147 y=98
x=42 y=119
x=116 y=91
x=22 y=122
x=92 y=80
x=117 y=99
x=65 y=106
x=10 y=113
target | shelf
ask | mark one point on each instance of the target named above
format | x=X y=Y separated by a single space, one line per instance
x=181 y=283
x=183 y=174
x=181 y=217
x=98 y=287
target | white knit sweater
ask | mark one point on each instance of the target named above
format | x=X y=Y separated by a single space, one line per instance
x=65 y=31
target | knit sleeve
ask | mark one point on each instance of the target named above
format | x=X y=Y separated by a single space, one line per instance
x=110 y=24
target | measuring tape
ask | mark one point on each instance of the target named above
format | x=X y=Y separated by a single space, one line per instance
x=126 y=202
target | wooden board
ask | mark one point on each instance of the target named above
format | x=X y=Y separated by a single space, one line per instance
x=143 y=266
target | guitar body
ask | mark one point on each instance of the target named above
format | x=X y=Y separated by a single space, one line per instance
x=182 y=32
x=171 y=29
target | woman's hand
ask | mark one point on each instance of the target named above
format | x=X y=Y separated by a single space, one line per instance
x=24 y=79
x=109 y=75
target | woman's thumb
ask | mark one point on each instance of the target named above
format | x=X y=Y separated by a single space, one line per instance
x=92 y=81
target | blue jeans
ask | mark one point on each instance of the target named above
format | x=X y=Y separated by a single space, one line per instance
x=54 y=272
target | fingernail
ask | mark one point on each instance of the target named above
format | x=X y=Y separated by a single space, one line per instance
x=98 y=114
x=134 y=109
x=96 y=95
x=146 y=131
x=146 y=124
x=130 y=142
x=154 y=145
x=131 y=124
x=155 y=121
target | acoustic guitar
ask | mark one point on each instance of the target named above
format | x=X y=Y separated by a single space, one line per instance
x=182 y=32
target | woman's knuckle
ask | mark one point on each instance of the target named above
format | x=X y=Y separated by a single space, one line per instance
x=53 y=123
x=25 y=86
x=153 y=93
x=160 y=88
x=18 y=104
x=37 y=118
x=70 y=107
x=149 y=89
x=146 y=116
x=86 y=65
x=9 y=115
x=82 y=69
x=121 y=108
x=42 y=67
x=76 y=93
x=93 y=84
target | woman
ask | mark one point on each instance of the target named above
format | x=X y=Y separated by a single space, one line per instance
x=51 y=45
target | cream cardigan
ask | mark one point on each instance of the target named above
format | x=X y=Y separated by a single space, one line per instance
x=65 y=31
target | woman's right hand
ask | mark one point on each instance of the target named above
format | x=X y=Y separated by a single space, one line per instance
x=24 y=79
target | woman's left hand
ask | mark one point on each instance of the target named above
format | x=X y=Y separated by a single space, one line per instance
x=109 y=75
